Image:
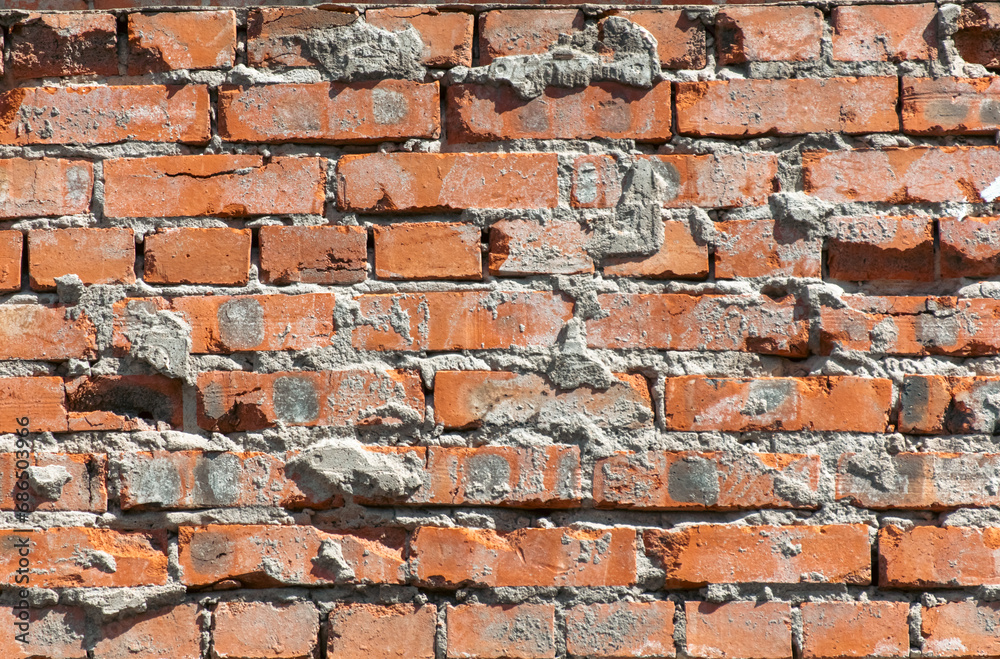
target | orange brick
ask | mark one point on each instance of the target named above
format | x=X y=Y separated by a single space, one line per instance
x=680 y=41
x=743 y=107
x=42 y=400
x=168 y=632
x=970 y=246
x=479 y=113
x=11 y=244
x=96 y=256
x=409 y=182
x=188 y=255
x=765 y=248
x=757 y=630
x=975 y=39
x=269 y=556
x=245 y=630
x=313 y=255
x=824 y=403
x=960 y=405
x=705 y=322
x=468 y=399
x=447 y=35
x=359 y=113
x=694 y=556
x=864 y=248
x=232 y=401
x=523 y=31
x=961 y=629
x=279 y=36
x=884 y=32
x=748 y=34
x=57 y=632
x=523 y=247
x=45 y=187
x=64 y=44
x=950 y=106
x=681 y=256
x=124 y=402
x=933 y=557
x=622 y=629
x=88 y=558
x=660 y=480
x=103 y=115
x=86 y=491
x=839 y=630
x=221 y=185
x=428 y=250
x=901 y=176
x=33 y=331
x=181 y=40
x=467 y=320
x=394 y=631
x=520 y=631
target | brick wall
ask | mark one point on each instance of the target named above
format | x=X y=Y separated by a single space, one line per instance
x=441 y=333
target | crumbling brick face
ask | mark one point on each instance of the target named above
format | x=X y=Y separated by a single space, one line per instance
x=620 y=331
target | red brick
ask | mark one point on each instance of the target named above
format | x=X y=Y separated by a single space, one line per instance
x=188 y=255
x=447 y=36
x=279 y=36
x=910 y=325
x=712 y=181
x=96 y=256
x=680 y=41
x=961 y=629
x=520 y=631
x=103 y=115
x=45 y=187
x=64 y=44
x=466 y=320
x=933 y=557
x=765 y=248
x=753 y=630
x=468 y=399
x=87 y=491
x=410 y=182
x=921 y=481
x=704 y=322
x=681 y=256
x=181 y=40
x=32 y=331
x=970 y=246
x=458 y=557
x=748 y=34
x=428 y=250
x=394 y=631
x=622 y=629
x=524 y=247
x=884 y=32
x=124 y=402
x=742 y=107
x=324 y=112
x=950 y=106
x=246 y=630
x=41 y=399
x=523 y=31
x=231 y=401
x=864 y=248
x=976 y=37
x=839 y=630
x=168 y=632
x=313 y=255
x=479 y=113
x=78 y=557
x=902 y=176
x=660 y=480
x=11 y=244
x=269 y=556
x=824 y=403
x=954 y=405
x=55 y=632
x=694 y=556
x=220 y=185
